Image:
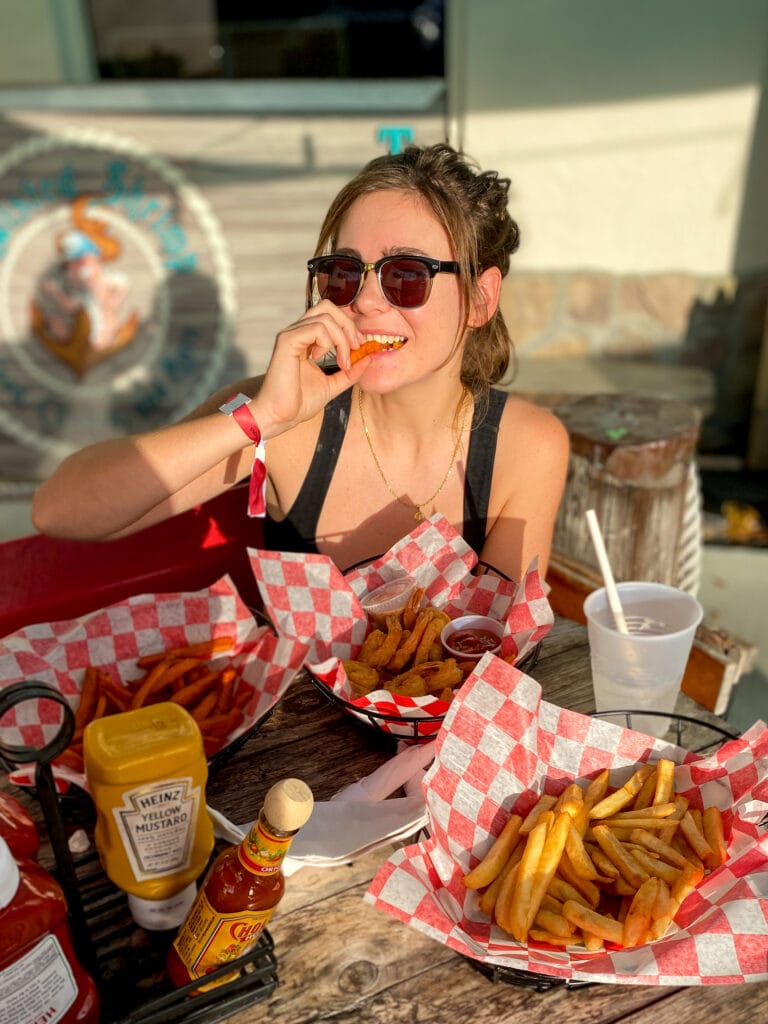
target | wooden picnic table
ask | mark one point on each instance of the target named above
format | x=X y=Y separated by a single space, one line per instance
x=342 y=960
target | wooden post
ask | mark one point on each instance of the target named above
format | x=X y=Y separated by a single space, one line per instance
x=630 y=460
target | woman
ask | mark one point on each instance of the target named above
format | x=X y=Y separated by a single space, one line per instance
x=409 y=262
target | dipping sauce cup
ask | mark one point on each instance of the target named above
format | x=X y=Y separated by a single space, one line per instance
x=469 y=637
x=388 y=599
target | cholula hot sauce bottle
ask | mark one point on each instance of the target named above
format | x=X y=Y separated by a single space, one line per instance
x=241 y=890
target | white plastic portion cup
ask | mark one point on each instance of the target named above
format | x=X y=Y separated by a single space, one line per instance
x=641 y=670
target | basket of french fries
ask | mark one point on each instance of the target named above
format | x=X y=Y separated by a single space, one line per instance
x=390 y=670
x=202 y=650
x=566 y=847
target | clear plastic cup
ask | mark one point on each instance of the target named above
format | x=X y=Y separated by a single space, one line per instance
x=641 y=670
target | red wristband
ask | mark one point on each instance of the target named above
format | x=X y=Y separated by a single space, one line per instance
x=237 y=407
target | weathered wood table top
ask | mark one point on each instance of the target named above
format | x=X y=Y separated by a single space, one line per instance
x=341 y=960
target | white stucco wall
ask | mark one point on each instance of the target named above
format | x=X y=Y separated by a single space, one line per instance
x=628 y=129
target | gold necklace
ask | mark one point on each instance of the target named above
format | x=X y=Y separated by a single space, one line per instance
x=418 y=506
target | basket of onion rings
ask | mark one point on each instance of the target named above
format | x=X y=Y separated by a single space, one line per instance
x=382 y=660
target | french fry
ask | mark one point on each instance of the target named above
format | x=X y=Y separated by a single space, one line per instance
x=168 y=674
x=665 y=780
x=585 y=886
x=630 y=823
x=226 y=691
x=204 y=649
x=681 y=806
x=89 y=694
x=493 y=893
x=645 y=796
x=639 y=915
x=544 y=803
x=629 y=869
x=617 y=880
x=516 y=920
x=554 y=923
x=554 y=845
x=651 y=842
x=596 y=789
x=496 y=857
x=619 y=799
x=506 y=890
x=588 y=920
x=194 y=691
x=118 y=695
x=205 y=707
x=563 y=891
x=712 y=822
x=656 y=867
x=579 y=856
x=695 y=837
x=657 y=811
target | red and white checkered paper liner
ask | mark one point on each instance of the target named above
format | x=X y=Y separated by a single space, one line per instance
x=500 y=747
x=307 y=597
x=112 y=639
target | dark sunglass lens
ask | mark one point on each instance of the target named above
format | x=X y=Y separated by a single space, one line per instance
x=338 y=280
x=405 y=282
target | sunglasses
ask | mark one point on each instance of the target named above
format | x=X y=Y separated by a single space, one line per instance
x=404 y=281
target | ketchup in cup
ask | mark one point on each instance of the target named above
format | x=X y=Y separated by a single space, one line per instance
x=469 y=637
x=40 y=976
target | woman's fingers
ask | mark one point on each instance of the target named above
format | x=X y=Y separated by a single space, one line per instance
x=295 y=388
x=336 y=332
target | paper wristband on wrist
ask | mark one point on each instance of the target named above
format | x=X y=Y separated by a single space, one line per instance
x=237 y=408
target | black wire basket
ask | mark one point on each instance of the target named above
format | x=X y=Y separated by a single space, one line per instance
x=412 y=730
x=420 y=729
x=126 y=962
x=715 y=735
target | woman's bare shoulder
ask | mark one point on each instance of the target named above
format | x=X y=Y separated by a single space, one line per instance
x=532 y=440
x=535 y=421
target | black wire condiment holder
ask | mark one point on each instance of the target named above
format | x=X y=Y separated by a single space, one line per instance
x=678 y=722
x=126 y=962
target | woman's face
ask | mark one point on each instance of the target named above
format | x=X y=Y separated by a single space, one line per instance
x=388 y=223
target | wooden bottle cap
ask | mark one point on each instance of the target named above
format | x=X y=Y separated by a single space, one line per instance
x=288 y=804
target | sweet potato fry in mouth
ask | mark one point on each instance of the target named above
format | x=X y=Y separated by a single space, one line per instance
x=374 y=345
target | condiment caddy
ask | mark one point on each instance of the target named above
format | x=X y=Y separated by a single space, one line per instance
x=127 y=962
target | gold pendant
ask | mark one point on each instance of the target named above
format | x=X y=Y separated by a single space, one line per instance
x=418 y=515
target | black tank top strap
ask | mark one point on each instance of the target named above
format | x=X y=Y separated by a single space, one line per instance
x=298 y=531
x=480 y=458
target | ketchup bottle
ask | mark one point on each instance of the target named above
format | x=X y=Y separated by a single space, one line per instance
x=241 y=890
x=40 y=976
x=17 y=828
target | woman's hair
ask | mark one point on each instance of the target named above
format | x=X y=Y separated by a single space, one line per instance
x=472 y=207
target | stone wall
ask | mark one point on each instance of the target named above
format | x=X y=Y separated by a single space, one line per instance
x=673 y=321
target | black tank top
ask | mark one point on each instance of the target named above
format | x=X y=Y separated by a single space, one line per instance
x=297 y=532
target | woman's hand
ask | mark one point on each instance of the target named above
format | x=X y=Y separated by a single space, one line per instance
x=295 y=388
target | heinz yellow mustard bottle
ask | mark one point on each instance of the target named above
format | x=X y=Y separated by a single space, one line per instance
x=146 y=771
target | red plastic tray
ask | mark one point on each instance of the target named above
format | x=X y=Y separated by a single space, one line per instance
x=45 y=579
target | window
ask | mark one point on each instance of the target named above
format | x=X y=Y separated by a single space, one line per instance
x=232 y=39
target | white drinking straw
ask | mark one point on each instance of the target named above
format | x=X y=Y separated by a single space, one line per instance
x=605 y=566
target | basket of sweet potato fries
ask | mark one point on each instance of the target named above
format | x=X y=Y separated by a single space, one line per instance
x=567 y=849
x=202 y=650
x=390 y=670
